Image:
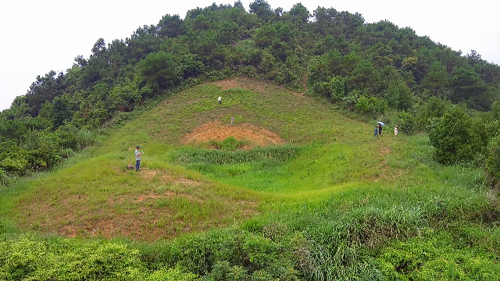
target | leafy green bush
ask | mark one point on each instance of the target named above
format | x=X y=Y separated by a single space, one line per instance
x=455 y=139
x=433 y=108
x=493 y=162
x=30 y=258
x=406 y=122
x=171 y=274
x=373 y=105
x=435 y=258
x=3 y=177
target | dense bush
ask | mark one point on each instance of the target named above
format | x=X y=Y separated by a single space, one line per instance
x=455 y=139
x=493 y=162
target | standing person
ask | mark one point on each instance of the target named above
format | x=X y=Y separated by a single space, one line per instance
x=375 y=133
x=380 y=129
x=396 y=131
x=232 y=120
x=219 y=100
x=138 y=154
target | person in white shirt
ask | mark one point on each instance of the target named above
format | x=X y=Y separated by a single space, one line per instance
x=138 y=154
x=220 y=100
x=396 y=131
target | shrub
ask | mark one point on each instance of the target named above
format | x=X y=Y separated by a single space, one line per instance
x=172 y=274
x=84 y=138
x=406 y=122
x=493 y=162
x=454 y=139
x=371 y=105
x=433 y=108
x=3 y=177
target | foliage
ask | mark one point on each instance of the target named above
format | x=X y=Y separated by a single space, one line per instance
x=433 y=108
x=493 y=162
x=30 y=258
x=405 y=120
x=455 y=139
x=230 y=143
x=434 y=258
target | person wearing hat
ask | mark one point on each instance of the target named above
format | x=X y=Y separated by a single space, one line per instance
x=138 y=154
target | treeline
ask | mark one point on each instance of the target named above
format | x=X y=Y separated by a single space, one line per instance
x=370 y=68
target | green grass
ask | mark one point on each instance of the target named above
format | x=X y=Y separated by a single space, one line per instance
x=332 y=203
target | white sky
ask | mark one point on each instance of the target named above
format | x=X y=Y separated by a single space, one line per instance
x=37 y=36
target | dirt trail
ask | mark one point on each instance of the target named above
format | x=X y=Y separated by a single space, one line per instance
x=218 y=131
x=391 y=174
x=249 y=84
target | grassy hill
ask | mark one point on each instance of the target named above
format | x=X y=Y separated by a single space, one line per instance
x=310 y=194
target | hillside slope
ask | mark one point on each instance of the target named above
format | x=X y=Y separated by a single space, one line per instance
x=309 y=194
x=99 y=197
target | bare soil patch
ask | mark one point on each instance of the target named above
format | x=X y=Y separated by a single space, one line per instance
x=218 y=131
x=244 y=83
x=227 y=84
x=167 y=178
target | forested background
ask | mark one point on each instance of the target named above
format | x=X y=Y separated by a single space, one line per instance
x=376 y=69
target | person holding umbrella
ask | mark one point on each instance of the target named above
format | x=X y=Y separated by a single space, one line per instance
x=380 y=128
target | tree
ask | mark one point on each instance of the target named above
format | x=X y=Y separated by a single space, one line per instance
x=365 y=78
x=262 y=9
x=399 y=96
x=300 y=13
x=265 y=35
x=239 y=5
x=45 y=89
x=454 y=139
x=161 y=69
x=171 y=26
x=99 y=46
x=466 y=85
x=61 y=112
x=433 y=108
x=436 y=78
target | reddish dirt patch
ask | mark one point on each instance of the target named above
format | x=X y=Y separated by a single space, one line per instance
x=167 y=194
x=165 y=177
x=241 y=83
x=385 y=151
x=219 y=131
x=228 y=84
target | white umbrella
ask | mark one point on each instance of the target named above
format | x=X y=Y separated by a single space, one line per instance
x=381 y=123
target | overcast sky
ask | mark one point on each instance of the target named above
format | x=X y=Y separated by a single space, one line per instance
x=37 y=36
